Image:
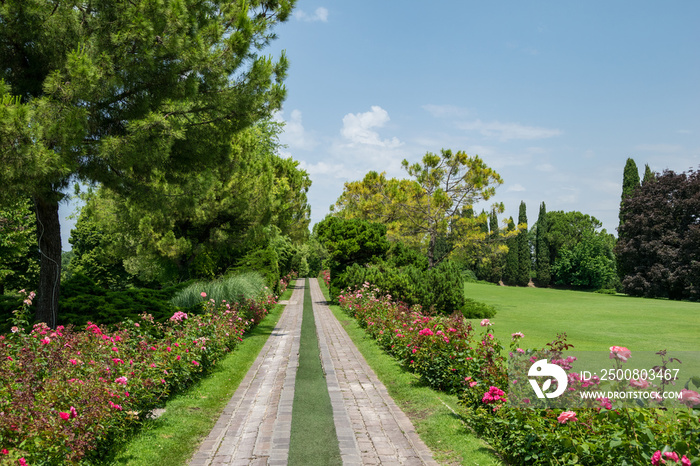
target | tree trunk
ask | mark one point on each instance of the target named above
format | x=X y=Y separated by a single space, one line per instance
x=49 y=235
x=431 y=249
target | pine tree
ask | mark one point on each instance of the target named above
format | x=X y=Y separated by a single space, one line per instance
x=125 y=94
x=524 y=255
x=543 y=273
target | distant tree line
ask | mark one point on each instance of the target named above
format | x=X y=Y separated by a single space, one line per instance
x=562 y=248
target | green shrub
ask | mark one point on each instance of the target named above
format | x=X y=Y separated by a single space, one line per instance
x=440 y=288
x=82 y=301
x=468 y=276
x=477 y=310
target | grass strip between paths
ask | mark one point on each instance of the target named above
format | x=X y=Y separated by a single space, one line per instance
x=432 y=413
x=313 y=439
x=173 y=438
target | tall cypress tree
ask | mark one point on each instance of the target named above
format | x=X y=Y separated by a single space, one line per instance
x=630 y=182
x=649 y=175
x=510 y=270
x=524 y=255
x=493 y=222
x=543 y=273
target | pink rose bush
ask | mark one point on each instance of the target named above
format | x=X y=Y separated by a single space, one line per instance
x=114 y=376
x=443 y=350
x=449 y=355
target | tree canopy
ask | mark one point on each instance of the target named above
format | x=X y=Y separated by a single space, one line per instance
x=659 y=245
x=427 y=207
x=127 y=94
x=205 y=223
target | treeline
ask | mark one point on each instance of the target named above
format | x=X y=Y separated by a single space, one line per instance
x=561 y=249
x=248 y=214
x=432 y=213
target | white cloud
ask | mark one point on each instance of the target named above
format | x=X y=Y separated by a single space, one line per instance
x=546 y=167
x=508 y=131
x=517 y=188
x=321 y=14
x=357 y=128
x=294 y=135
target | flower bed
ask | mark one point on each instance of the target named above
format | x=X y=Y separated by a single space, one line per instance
x=449 y=355
x=67 y=395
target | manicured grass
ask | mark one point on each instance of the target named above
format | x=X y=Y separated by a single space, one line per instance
x=592 y=321
x=432 y=413
x=173 y=438
x=313 y=438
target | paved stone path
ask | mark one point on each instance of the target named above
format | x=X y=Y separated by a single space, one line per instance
x=254 y=428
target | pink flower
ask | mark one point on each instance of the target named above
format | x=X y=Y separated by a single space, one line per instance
x=641 y=384
x=5 y=452
x=689 y=397
x=73 y=412
x=195 y=363
x=14 y=329
x=567 y=416
x=178 y=357
x=672 y=455
x=486 y=323
x=203 y=294
x=656 y=458
x=620 y=352
x=472 y=383
x=136 y=324
x=22 y=461
x=685 y=461
x=493 y=395
x=64 y=416
x=121 y=380
x=73 y=361
x=516 y=335
x=114 y=405
x=178 y=316
x=426 y=331
x=45 y=341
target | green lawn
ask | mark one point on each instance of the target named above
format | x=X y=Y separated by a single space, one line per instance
x=593 y=321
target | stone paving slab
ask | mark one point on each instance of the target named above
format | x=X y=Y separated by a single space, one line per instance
x=371 y=427
x=255 y=426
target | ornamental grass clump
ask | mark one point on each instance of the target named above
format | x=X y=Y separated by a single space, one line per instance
x=69 y=394
x=237 y=288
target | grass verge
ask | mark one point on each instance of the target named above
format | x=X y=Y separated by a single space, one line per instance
x=313 y=437
x=433 y=414
x=173 y=438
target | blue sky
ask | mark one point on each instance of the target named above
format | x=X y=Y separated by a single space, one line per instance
x=553 y=95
